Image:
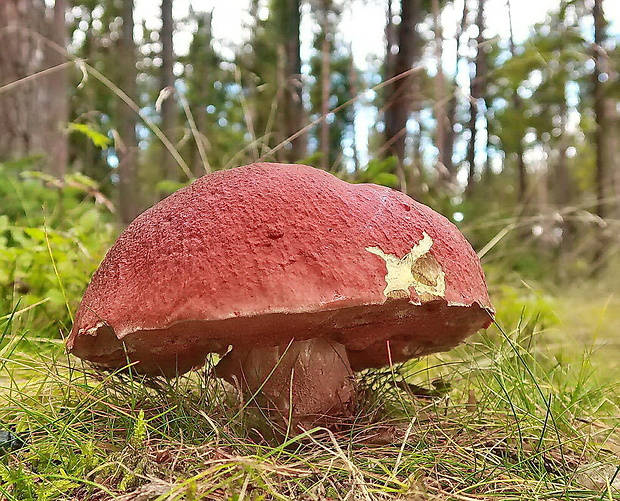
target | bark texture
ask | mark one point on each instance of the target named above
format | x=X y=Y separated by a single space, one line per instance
x=168 y=105
x=127 y=147
x=400 y=93
x=522 y=188
x=33 y=105
x=293 y=104
x=477 y=91
x=442 y=124
x=450 y=135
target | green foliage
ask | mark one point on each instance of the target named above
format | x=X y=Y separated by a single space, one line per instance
x=213 y=96
x=99 y=140
x=52 y=236
x=524 y=306
x=139 y=433
x=540 y=74
x=381 y=172
x=94 y=30
x=259 y=63
x=505 y=418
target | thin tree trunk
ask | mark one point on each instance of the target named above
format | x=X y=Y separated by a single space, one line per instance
x=168 y=106
x=600 y=119
x=478 y=86
x=450 y=137
x=563 y=185
x=390 y=42
x=613 y=147
x=58 y=102
x=441 y=119
x=128 y=149
x=203 y=67
x=294 y=110
x=250 y=82
x=325 y=84
x=562 y=190
x=522 y=191
x=599 y=107
x=471 y=146
x=417 y=154
x=353 y=90
x=540 y=195
x=399 y=94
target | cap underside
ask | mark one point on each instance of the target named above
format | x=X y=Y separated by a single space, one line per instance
x=412 y=331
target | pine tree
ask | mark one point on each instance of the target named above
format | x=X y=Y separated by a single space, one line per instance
x=127 y=145
x=399 y=94
x=168 y=112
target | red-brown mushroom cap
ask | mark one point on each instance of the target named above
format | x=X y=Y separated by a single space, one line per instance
x=266 y=253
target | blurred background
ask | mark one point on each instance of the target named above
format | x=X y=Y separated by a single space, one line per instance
x=502 y=115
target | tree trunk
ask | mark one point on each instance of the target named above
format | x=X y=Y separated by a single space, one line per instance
x=203 y=63
x=564 y=185
x=168 y=105
x=251 y=81
x=127 y=150
x=390 y=42
x=55 y=138
x=24 y=118
x=601 y=180
x=522 y=191
x=293 y=105
x=450 y=136
x=562 y=189
x=325 y=84
x=478 y=89
x=613 y=147
x=400 y=93
x=441 y=120
x=353 y=90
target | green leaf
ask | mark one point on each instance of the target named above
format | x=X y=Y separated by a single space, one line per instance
x=99 y=140
x=35 y=233
x=79 y=178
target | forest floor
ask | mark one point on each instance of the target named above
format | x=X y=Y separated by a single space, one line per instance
x=531 y=413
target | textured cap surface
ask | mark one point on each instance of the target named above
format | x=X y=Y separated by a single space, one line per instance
x=269 y=252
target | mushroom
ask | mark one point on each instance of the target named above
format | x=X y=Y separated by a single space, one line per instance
x=295 y=277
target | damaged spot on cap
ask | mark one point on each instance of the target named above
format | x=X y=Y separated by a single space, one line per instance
x=418 y=269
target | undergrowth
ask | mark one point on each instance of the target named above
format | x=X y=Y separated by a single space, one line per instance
x=511 y=421
x=53 y=234
x=508 y=415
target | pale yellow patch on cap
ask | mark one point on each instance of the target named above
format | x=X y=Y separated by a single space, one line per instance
x=418 y=269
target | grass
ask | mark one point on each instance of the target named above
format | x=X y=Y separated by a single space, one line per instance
x=521 y=420
x=531 y=410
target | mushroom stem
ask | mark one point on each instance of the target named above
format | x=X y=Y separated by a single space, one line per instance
x=303 y=379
